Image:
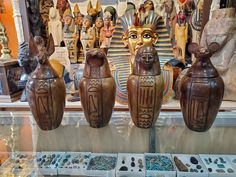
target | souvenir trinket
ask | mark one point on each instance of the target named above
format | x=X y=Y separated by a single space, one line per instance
x=45 y=90
x=97 y=31
x=217 y=165
x=35 y=21
x=74 y=163
x=131 y=165
x=44 y=8
x=78 y=18
x=201 y=90
x=181 y=35
x=131 y=32
x=97 y=89
x=68 y=32
x=19 y=164
x=106 y=33
x=159 y=165
x=29 y=64
x=86 y=35
x=94 y=12
x=145 y=88
x=55 y=26
x=188 y=164
x=48 y=162
x=102 y=162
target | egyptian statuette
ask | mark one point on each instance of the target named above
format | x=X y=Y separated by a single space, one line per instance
x=145 y=88
x=46 y=92
x=201 y=90
x=97 y=89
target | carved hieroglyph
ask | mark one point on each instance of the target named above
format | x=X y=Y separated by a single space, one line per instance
x=202 y=90
x=145 y=88
x=46 y=91
x=97 y=89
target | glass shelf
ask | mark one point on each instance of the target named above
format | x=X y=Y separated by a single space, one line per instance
x=19 y=132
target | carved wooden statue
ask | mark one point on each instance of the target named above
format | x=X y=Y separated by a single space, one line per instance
x=5 y=51
x=94 y=13
x=97 y=89
x=46 y=91
x=170 y=17
x=44 y=8
x=68 y=31
x=202 y=90
x=55 y=26
x=181 y=35
x=224 y=60
x=34 y=18
x=97 y=31
x=87 y=36
x=78 y=17
x=145 y=88
x=106 y=33
x=62 y=5
x=28 y=63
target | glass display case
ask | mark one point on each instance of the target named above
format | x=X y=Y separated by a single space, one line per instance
x=21 y=135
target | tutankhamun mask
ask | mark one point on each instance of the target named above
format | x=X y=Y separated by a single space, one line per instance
x=138 y=29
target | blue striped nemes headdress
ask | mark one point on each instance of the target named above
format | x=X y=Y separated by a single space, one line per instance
x=140 y=19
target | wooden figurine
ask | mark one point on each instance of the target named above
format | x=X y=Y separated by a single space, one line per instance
x=181 y=35
x=202 y=90
x=46 y=92
x=78 y=17
x=55 y=26
x=106 y=33
x=87 y=36
x=34 y=17
x=94 y=13
x=62 y=5
x=145 y=88
x=97 y=31
x=68 y=31
x=113 y=13
x=170 y=17
x=44 y=7
x=5 y=51
x=97 y=89
x=224 y=60
x=29 y=64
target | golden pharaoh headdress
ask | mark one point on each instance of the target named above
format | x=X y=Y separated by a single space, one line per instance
x=133 y=18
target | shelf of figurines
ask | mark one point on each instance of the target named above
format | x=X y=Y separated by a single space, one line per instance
x=171 y=105
x=117 y=165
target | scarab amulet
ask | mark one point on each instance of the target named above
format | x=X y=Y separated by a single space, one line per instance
x=97 y=89
x=145 y=88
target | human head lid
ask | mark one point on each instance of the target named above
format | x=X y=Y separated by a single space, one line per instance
x=137 y=19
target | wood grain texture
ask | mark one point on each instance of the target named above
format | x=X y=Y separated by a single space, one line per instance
x=46 y=92
x=97 y=89
x=202 y=91
x=145 y=88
